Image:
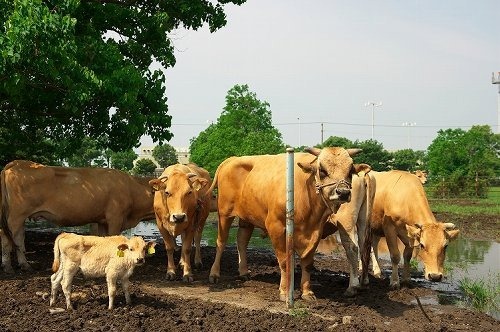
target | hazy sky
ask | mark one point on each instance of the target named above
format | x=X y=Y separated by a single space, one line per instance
x=429 y=62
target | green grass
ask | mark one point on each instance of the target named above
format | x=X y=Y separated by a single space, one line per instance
x=464 y=206
x=482 y=295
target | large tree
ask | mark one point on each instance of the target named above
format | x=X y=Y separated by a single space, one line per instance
x=71 y=69
x=243 y=128
x=464 y=162
x=165 y=155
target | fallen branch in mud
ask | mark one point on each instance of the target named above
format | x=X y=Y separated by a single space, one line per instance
x=420 y=305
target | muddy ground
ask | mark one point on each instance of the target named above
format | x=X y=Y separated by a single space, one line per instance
x=232 y=304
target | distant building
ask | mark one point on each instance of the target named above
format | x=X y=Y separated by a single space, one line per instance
x=146 y=152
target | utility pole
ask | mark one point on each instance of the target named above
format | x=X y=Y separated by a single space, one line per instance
x=321 y=133
x=409 y=125
x=495 y=79
x=373 y=105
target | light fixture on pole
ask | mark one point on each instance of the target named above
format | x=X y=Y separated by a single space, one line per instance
x=409 y=125
x=373 y=105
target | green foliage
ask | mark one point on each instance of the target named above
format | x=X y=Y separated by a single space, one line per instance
x=483 y=295
x=71 y=69
x=407 y=160
x=89 y=154
x=123 y=160
x=243 y=128
x=336 y=141
x=463 y=163
x=373 y=154
x=165 y=155
x=144 y=167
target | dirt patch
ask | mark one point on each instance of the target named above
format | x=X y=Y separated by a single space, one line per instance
x=230 y=305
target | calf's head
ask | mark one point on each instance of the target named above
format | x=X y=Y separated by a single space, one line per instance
x=333 y=169
x=180 y=194
x=432 y=240
x=135 y=250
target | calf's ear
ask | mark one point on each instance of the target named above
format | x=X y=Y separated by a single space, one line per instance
x=123 y=247
x=413 y=232
x=307 y=167
x=199 y=183
x=157 y=184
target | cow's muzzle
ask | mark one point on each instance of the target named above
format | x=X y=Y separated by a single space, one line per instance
x=437 y=277
x=178 y=218
x=140 y=261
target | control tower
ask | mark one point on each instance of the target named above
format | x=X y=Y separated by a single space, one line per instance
x=495 y=79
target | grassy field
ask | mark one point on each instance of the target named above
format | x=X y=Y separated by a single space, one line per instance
x=464 y=206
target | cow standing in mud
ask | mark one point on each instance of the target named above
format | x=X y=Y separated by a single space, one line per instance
x=68 y=197
x=253 y=188
x=113 y=257
x=182 y=206
x=352 y=221
x=401 y=210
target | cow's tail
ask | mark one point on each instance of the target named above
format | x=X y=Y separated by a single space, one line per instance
x=216 y=177
x=367 y=245
x=57 y=253
x=4 y=202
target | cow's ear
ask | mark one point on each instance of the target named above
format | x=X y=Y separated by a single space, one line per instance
x=123 y=247
x=452 y=234
x=307 y=167
x=413 y=232
x=157 y=184
x=361 y=169
x=199 y=183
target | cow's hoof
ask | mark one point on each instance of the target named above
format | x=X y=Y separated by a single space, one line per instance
x=244 y=277
x=171 y=276
x=187 y=278
x=213 y=279
x=8 y=269
x=198 y=266
x=308 y=297
x=394 y=286
x=283 y=297
x=351 y=292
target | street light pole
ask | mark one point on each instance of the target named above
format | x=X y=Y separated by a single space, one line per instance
x=409 y=125
x=373 y=105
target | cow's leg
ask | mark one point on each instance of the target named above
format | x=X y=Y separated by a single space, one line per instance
x=392 y=244
x=222 y=235
x=244 y=234
x=349 y=242
x=407 y=254
x=126 y=289
x=187 y=243
x=69 y=271
x=169 y=241
x=6 y=254
x=111 y=281
x=198 y=264
x=55 y=281
x=377 y=272
x=21 y=250
x=306 y=265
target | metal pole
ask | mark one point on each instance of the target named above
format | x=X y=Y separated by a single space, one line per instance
x=290 y=261
x=373 y=119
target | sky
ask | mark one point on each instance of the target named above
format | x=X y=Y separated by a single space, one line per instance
x=429 y=63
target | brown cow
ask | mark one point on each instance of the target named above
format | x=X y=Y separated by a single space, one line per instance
x=352 y=220
x=182 y=207
x=69 y=197
x=401 y=210
x=253 y=188
x=113 y=257
x=421 y=175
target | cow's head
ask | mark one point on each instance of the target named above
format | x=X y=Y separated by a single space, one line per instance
x=179 y=191
x=135 y=250
x=432 y=241
x=333 y=169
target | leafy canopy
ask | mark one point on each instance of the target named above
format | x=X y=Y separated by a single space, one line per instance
x=71 y=69
x=243 y=128
x=165 y=155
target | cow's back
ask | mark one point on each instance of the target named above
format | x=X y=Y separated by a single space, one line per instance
x=400 y=197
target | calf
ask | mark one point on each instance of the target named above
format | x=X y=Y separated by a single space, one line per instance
x=114 y=257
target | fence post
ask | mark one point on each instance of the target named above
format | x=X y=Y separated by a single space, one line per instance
x=290 y=262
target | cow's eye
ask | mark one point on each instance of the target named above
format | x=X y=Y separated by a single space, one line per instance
x=445 y=246
x=322 y=173
x=190 y=192
x=422 y=246
x=167 y=193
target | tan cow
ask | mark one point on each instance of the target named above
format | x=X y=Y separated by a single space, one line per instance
x=182 y=207
x=113 y=257
x=253 y=188
x=401 y=210
x=352 y=221
x=69 y=197
x=421 y=175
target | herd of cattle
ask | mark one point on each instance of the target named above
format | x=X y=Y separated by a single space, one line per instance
x=331 y=194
